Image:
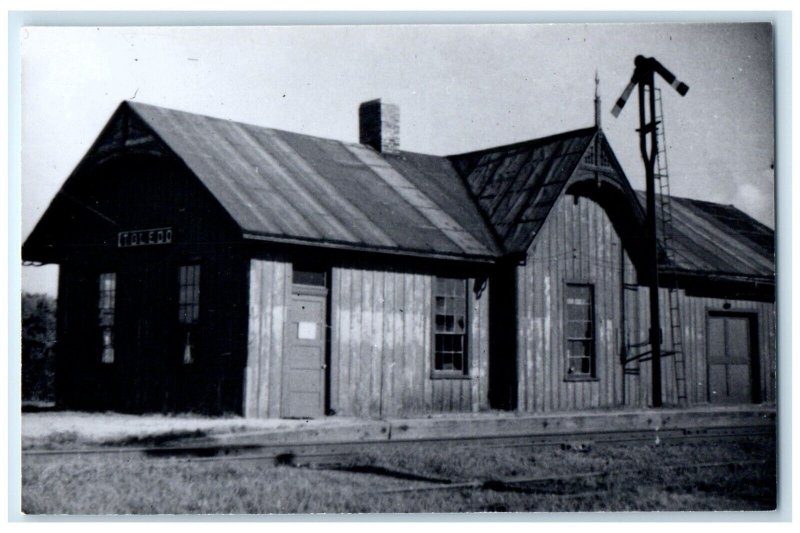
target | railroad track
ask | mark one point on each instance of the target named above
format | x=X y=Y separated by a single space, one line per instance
x=322 y=453
x=565 y=484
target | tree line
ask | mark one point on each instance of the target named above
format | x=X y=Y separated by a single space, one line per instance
x=38 y=347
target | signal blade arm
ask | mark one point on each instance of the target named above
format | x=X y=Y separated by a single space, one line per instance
x=645 y=67
x=669 y=77
x=644 y=77
x=624 y=98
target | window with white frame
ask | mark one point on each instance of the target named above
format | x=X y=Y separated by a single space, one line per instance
x=580 y=331
x=450 y=327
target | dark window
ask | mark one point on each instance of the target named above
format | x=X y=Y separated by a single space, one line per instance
x=105 y=306
x=450 y=327
x=580 y=331
x=188 y=307
x=309 y=276
x=189 y=295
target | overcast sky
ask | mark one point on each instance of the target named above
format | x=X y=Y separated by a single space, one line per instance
x=459 y=88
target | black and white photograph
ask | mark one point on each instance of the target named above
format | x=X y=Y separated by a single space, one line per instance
x=397 y=269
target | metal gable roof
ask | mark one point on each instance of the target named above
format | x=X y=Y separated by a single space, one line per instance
x=517 y=185
x=287 y=186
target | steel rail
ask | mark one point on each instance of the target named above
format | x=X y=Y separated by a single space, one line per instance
x=321 y=452
x=523 y=484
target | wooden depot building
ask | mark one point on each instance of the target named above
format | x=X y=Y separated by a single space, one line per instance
x=219 y=267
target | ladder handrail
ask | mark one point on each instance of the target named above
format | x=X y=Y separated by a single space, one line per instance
x=665 y=202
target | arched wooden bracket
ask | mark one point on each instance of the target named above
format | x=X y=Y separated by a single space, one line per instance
x=480 y=285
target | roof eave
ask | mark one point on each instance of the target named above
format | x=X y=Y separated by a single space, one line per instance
x=354 y=247
x=766 y=279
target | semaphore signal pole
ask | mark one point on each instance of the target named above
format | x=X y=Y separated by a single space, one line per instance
x=644 y=77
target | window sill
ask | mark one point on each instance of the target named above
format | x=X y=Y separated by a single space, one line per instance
x=450 y=376
x=309 y=290
x=572 y=379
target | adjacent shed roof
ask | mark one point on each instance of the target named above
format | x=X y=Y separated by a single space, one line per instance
x=719 y=239
x=282 y=185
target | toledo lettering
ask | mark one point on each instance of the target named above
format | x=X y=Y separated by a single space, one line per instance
x=144 y=237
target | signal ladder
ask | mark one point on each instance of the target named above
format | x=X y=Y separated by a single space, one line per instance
x=675 y=328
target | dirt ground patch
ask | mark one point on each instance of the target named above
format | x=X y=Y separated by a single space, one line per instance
x=68 y=428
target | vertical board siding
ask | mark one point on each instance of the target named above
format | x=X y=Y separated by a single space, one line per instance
x=267 y=310
x=355 y=303
x=334 y=372
x=365 y=355
x=476 y=390
x=419 y=356
x=412 y=345
x=381 y=347
x=694 y=313
x=145 y=192
x=577 y=244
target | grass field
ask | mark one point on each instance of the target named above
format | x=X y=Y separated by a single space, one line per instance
x=629 y=477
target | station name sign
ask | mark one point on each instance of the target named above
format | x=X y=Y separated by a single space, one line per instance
x=144 y=237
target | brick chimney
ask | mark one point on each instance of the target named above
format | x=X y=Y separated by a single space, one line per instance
x=379 y=126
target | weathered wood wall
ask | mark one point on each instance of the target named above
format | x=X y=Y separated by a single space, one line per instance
x=695 y=325
x=77 y=366
x=269 y=296
x=694 y=313
x=578 y=244
x=638 y=304
x=136 y=192
x=381 y=351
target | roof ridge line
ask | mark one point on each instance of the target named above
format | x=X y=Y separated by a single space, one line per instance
x=247 y=124
x=549 y=138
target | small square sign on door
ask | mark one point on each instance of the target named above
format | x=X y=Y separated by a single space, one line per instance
x=307 y=330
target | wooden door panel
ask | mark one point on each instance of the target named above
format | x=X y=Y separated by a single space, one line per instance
x=305 y=358
x=730 y=359
x=304 y=381
x=716 y=339
x=739 y=383
x=717 y=383
x=304 y=404
x=738 y=339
